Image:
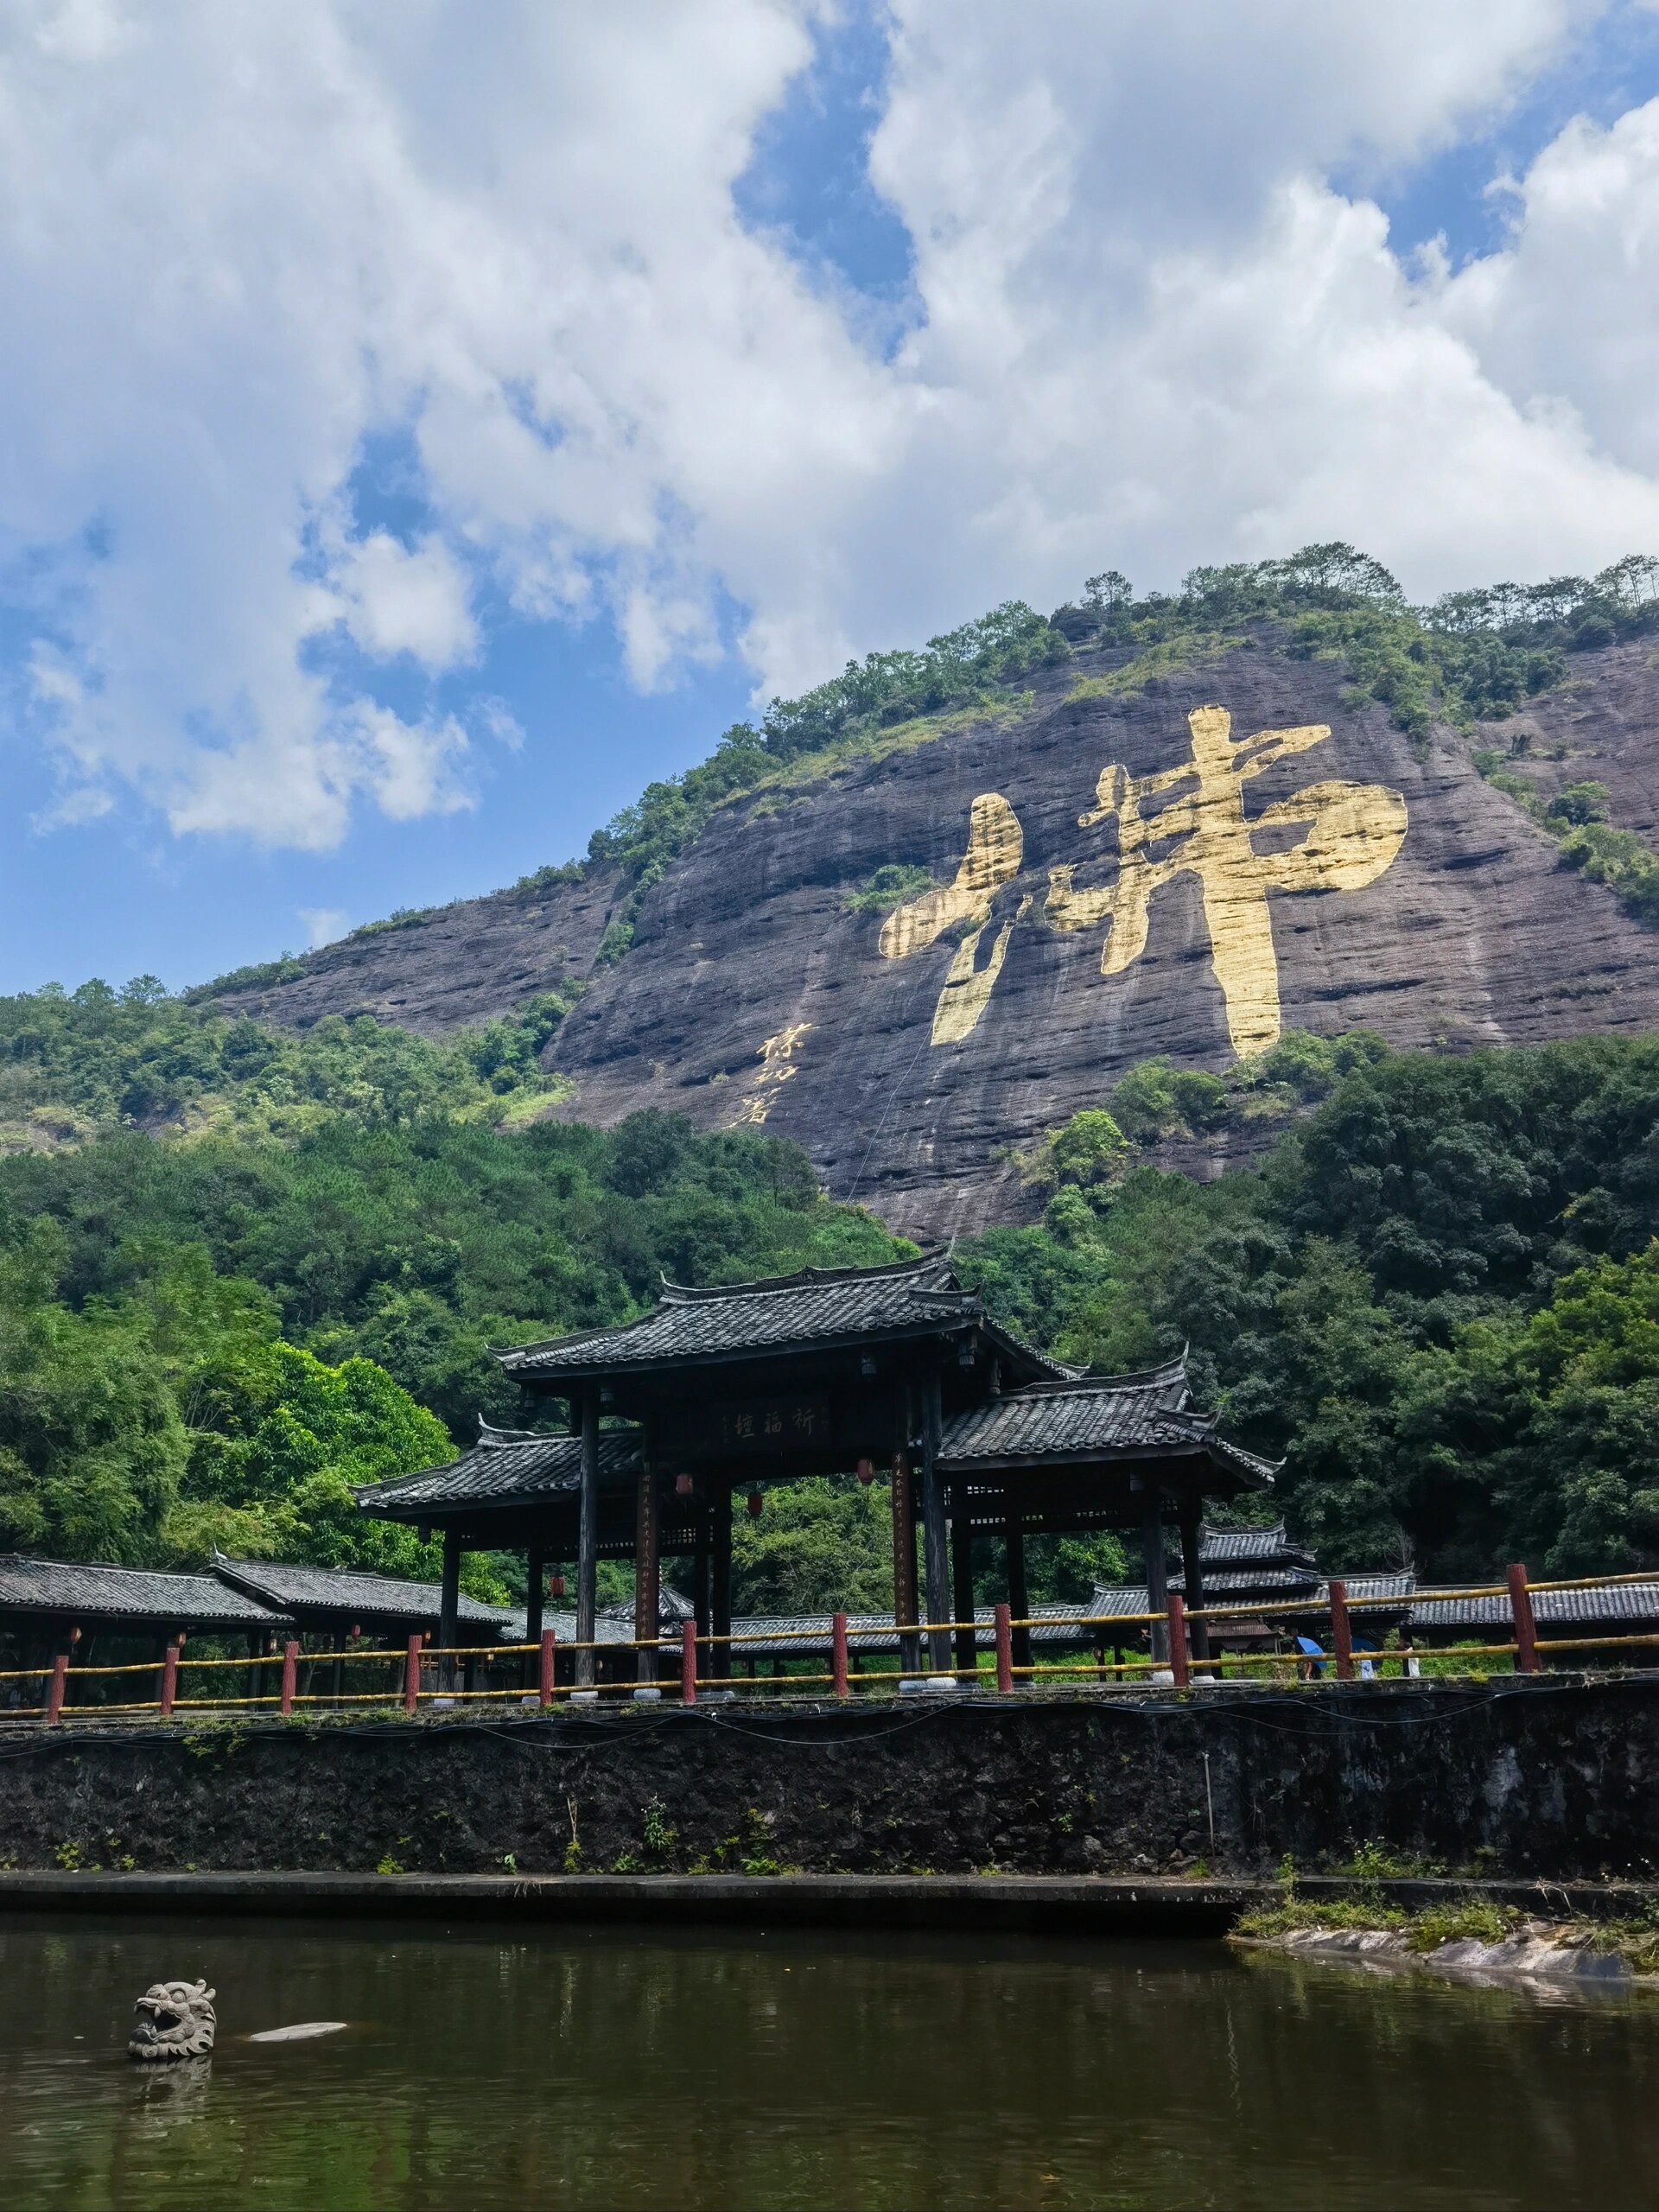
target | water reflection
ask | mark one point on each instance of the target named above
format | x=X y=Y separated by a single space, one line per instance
x=607 y=2069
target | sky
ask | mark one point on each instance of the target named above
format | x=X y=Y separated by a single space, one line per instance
x=422 y=426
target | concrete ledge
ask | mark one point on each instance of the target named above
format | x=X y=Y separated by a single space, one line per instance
x=1083 y=1905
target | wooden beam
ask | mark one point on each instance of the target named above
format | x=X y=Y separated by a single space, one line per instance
x=587 y=1538
x=1192 y=1516
x=535 y=1590
x=720 y=1575
x=935 y=1551
x=449 y=1609
x=647 y=1563
x=904 y=1566
x=1152 y=1545
x=1013 y=1538
x=961 y=1577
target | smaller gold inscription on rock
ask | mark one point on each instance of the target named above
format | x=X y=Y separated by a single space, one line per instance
x=776 y=1058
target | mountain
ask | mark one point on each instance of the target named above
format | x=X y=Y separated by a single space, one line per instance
x=1174 y=828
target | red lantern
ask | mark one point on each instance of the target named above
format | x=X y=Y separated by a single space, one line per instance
x=356 y=1632
x=756 y=1504
x=866 y=1470
x=684 y=1485
x=555 y=1586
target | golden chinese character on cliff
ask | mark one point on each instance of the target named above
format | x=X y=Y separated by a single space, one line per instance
x=995 y=848
x=776 y=1056
x=1353 y=832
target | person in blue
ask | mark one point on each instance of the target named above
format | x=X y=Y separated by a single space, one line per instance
x=1313 y=1660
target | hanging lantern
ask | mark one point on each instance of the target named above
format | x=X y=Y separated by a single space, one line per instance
x=555 y=1586
x=684 y=1485
x=756 y=1504
x=866 y=1472
x=356 y=1632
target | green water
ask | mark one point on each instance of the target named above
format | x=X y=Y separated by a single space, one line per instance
x=604 y=2067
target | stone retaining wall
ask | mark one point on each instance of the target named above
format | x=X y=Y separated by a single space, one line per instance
x=1557 y=1778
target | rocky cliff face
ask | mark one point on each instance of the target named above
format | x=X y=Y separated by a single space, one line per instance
x=1182 y=868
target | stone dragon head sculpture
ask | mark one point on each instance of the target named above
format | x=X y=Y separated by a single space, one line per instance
x=173 y=2019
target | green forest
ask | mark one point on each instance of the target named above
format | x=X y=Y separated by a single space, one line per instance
x=240 y=1271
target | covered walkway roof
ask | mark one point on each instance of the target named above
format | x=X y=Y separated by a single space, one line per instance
x=136 y=1599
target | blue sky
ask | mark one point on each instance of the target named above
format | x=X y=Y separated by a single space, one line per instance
x=396 y=485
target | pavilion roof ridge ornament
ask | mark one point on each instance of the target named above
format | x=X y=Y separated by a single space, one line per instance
x=493 y=1438
x=810 y=1278
x=1079 y=1378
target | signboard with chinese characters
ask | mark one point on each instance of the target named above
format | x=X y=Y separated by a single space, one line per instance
x=746 y=1429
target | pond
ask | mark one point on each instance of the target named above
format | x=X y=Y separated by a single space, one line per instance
x=610 y=2067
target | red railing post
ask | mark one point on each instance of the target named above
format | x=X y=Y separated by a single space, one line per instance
x=290 y=1675
x=169 y=1677
x=688 y=1662
x=838 y=1653
x=59 y=1683
x=1178 y=1638
x=549 y=1649
x=1342 y=1634
x=412 y=1676
x=1004 y=1651
x=1526 y=1633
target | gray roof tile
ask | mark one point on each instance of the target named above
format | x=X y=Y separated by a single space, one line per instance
x=1115 y=1415
x=817 y=1306
x=1237 y=1546
x=367 y=1597
x=1631 y=1603
x=86 y=1592
x=499 y=1470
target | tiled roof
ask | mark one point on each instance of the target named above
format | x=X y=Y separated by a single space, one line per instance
x=1401 y=1583
x=818 y=1306
x=1631 y=1603
x=1112 y=1416
x=88 y=1592
x=1117 y=1600
x=1263 y=1582
x=1237 y=1546
x=809 y=1635
x=366 y=1596
x=501 y=1470
x=1279 y=1587
x=611 y=1623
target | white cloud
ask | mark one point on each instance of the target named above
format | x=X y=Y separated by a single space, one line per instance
x=238 y=242
x=399 y=600
x=323 y=925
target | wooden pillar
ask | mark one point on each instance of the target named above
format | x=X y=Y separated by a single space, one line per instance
x=720 y=1576
x=1014 y=1537
x=962 y=1579
x=337 y=1665
x=587 y=1538
x=647 y=1563
x=1192 y=1511
x=535 y=1590
x=253 y=1641
x=449 y=1607
x=1152 y=1545
x=1521 y=1613
x=904 y=1568
x=700 y=1582
x=935 y=1556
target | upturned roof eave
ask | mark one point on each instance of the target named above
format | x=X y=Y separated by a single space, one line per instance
x=1259 y=1474
x=936 y=1325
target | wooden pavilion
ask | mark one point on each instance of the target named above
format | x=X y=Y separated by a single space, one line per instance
x=831 y=1371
